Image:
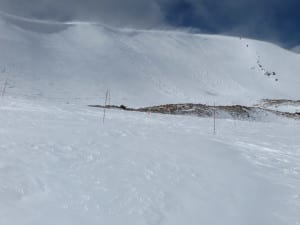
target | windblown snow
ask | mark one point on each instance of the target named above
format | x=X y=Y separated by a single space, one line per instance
x=60 y=164
x=296 y=49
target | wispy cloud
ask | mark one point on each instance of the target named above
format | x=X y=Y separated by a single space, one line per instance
x=135 y=13
x=273 y=20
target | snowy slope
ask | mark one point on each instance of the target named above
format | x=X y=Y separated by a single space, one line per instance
x=59 y=164
x=79 y=61
x=63 y=166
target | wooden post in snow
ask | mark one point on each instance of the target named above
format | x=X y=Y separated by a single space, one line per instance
x=214 y=118
x=105 y=103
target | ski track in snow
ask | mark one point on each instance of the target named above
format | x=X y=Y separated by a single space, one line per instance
x=62 y=163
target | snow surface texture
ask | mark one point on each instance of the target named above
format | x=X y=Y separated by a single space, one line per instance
x=286 y=108
x=59 y=164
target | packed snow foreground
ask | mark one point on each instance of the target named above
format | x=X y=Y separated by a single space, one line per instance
x=60 y=164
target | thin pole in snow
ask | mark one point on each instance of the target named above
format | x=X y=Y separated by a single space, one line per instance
x=214 y=118
x=105 y=103
x=108 y=96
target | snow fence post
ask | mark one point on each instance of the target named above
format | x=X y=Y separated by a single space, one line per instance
x=105 y=103
x=108 y=96
x=214 y=115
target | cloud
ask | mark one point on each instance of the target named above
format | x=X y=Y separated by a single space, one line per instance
x=136 y=13
x=296 y=49
x=273 y=20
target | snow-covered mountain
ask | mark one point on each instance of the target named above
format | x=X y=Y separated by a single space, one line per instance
x=79 y=61
x=60 y=164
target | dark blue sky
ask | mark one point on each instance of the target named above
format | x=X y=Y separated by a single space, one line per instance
x=273 y=20
x=277 y=21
